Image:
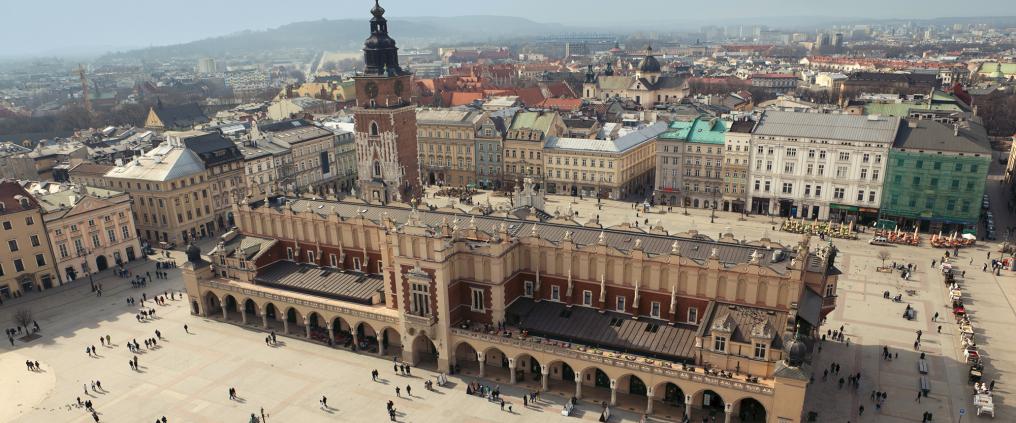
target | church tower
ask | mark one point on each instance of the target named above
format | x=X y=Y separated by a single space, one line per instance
x=385 y=121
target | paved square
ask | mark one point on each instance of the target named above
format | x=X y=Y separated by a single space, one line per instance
x=187 y=377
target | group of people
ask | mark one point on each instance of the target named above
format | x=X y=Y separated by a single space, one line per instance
x=145 y=315
x=271 y=341
x=11 y=332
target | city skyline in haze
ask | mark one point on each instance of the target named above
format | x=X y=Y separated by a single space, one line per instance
x=66 y=27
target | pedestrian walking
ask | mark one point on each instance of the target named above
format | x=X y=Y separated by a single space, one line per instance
x=398 y=392
x=409 y=390
x=324 y=401
x=185 y=329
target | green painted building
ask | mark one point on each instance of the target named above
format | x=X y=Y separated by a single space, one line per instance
x=936 y=175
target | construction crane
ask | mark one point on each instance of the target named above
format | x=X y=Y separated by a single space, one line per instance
x=84 y=88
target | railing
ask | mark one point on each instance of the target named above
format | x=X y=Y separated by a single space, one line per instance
x=654 y=366
x=421 y=320
x=298 y=301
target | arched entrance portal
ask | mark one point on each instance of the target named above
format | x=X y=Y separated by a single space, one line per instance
x=391 y=342
x=528 y=370
x=366 y=338
x=708 y=404
x=749 y=410
x=466 y=360
x=213 y=307
x=250 y=312
x=231 y=308
x=669 y=400
x=293 y=322
x=424 y=352
x=101 y=263
x=315 y=328
x=342 y=332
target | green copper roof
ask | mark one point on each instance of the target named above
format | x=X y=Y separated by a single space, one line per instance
x=534 y=120
x=702 y=130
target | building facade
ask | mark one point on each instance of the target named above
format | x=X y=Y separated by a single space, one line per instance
x=690 y=162
x=936 y=176
x=523 y=145
x=446 y=140
x=416 y=285
x=184 y=188
x=611 y=169
x=385 y=121
x=89 y=229
x=312 y=161
x=26 y=261
x=489 y=140
x=737 y=146
x=820 y=166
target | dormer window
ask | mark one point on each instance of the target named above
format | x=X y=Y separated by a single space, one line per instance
x=24 y=203
x=720 y=343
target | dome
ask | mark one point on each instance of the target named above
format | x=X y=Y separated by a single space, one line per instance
x=796 y=352
x=193 y=253
x=379 y=41
x=649 y=63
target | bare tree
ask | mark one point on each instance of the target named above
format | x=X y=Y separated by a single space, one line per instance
x=23 y=317
x=883 y=255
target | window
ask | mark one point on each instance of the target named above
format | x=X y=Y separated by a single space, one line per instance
x=864 y=173
x=13 y=245
x=916 y=181
x=63 y=250
x=555 y=293
x=865 y=158
x=787 y=187
x=791 y=152
x=29 y=220
x=111 y=234
x=95 y=240
x=838 y=193
x=760 y=351
x=477 y=296
x=7 y=225
x=692 y=315
x=811 y=154
x=289 y=253
x=720 y=343
x=35 y=240
x=654 y=309
x=40 y=260
x=821 y=170
x=818 y=190
x=807 y=190
x=310 y=256
x=821 y=154
x=19 y=266
x=871 y=196
x=973 y=168
x=937 y=165
x=620 y=303
x=860 y=195
x=874 y=174
x=126 y=232
x=587 y=298
x=419 y=299
x=788 y=168
x=356 y=264
x=528 y=288
x=844 y=156
x=959 y=167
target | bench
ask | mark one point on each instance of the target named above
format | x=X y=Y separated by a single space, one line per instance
x=925 y=385
x=922 y=366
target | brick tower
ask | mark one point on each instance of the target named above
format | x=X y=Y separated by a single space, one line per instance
x=385 y=120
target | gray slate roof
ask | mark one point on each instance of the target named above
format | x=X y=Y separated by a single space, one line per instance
x=608 y=330
x=619 y=145
x=326 y=282
x=930 y=135
x=826 y=126
x=697 y=249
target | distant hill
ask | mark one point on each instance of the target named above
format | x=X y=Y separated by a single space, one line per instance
x=348 y=34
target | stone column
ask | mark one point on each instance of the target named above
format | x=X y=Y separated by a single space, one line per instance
x=306 y=327
x=356 y=341
x=481 y=362
x=545 y=382
x=264 y=320
x=613 y=392
x=511 y=371
x=728 y=412
x=381 y=345
x=687 y=406
x=331 y=334
x=225 y=313
x=243 y=316
x=578 y=386
x=285 y=326
x=649 y=401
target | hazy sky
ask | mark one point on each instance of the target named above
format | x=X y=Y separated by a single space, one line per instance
x=63 y=26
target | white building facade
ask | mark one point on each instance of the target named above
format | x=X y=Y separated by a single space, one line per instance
x=819 y=166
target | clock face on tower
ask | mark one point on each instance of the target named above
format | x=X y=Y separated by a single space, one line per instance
x=398 y=87
x=371 y=88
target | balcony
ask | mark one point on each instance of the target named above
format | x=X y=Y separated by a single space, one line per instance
x=421 y=321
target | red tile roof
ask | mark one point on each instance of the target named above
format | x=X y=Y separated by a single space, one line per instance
x=562 y=104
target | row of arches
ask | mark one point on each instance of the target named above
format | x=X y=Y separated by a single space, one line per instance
x=606 y=385
x=334 y=330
